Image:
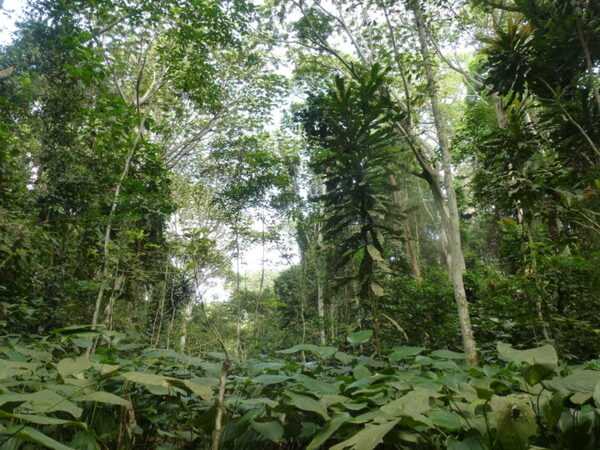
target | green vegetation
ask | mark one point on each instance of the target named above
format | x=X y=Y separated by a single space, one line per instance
x=306 y=224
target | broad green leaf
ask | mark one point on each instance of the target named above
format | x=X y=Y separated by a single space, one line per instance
x=268 y=379
x=45 y=401
x=368 y=438
x=544 y=356
x=306 y=403
x=360 y=337
x=579 y=398
x=43 y=420
x=105 y=369
x=155 y=384
x=146 y=378
x=447 y=354
x=37 y=437
x=253 y=402
x=405 y=352
x=377 y=290
x=321 y=352
x=447 y=420
x=11 y=369
x=317 y=386
x=203 y=391
x=272 y=431
x=344 y=358
x=360 y=372
x=73 y=366
x=374 y=253
x=581 y=381
x=327 y=431
x=104 y=397
x=414 y=403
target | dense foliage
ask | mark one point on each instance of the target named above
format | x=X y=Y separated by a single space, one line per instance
x=346 y=224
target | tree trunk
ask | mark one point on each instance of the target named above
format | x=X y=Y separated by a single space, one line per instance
x=187 y=317
x=319 y=280
x=332 y=320
x=456 y=266
x=104 y=274
x=409 y=242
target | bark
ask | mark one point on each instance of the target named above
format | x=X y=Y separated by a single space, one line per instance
x=532 y=272
x=456 y=266
x=321 y=311
x=218 y=430
x=187 y=317
x=238 y=325
x=332 y=321
x=400 y=202
x=105 y=272
x=319 y=280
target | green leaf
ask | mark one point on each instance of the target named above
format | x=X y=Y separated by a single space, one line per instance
x=104 y=397
x=327 y=431
x=33 y=435
x=321 y=352
x=344 y=358
x=73 y=366
x=148 y=379
x=272 y=431
x=317 y=386
x=447 y=354
x=42 y=420
x=581 y=381
x=413 y=404
x=306 y=403
x=445 y=419
x=360 y=337
x=44 y=401
x=368 y=438
x=267 y=379
x=535 y=373
x=377 y=290
x=374 y=253
x=156 y=384
x=405 y=352
x=544 y=356
x=203 y=391
x=360 y=372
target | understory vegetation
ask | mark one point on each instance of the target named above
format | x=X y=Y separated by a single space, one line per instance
x=300 y=224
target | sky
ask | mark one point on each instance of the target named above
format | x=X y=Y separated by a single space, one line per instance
x=10 y=11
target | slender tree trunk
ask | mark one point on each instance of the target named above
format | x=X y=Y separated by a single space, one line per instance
x=321 y=311
x=186 y=319
x=172 y=320
x=319 y=280
x=261 y=283
x=238 y=325
x=104 y=274
x=457 y=262
x=532 y=273
x=400 y=202
x=218 y=430
x=332 y=320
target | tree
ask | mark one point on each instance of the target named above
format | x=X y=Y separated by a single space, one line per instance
x=352 y=124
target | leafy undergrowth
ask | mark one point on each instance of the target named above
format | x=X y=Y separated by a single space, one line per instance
x=126 y=397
